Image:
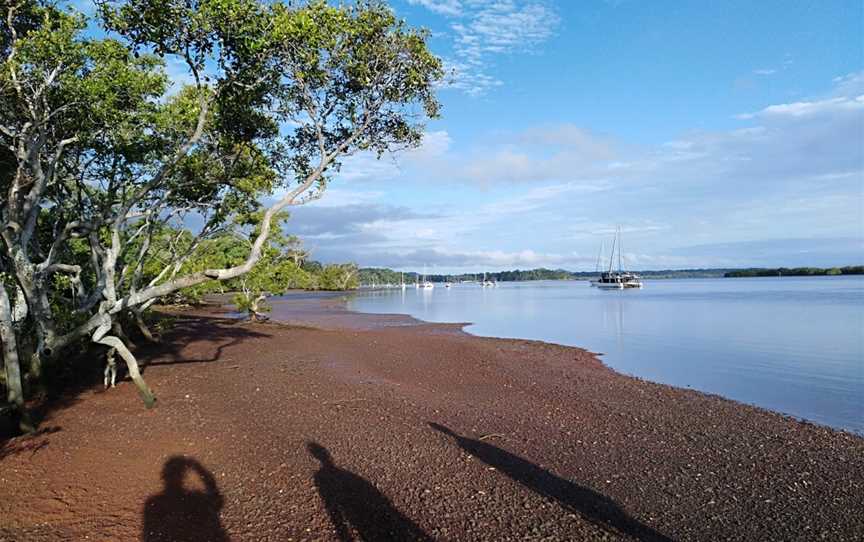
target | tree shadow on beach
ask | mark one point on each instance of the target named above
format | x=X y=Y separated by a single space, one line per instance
x=591 y=505
x=82 y=370
x=30 y=444
x=179 y=514
x=353 y=503
x=186 y=330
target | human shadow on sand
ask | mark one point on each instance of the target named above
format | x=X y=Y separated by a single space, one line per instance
x=594 y=507
x=178 y=514
x=356 y=506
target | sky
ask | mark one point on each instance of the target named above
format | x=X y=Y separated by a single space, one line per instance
x=715 y=134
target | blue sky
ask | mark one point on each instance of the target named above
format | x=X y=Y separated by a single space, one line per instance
x=715 y=133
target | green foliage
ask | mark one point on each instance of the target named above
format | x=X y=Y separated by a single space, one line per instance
x=379 y=276
x=338 y=277
x=103 y=163
x=796 y=271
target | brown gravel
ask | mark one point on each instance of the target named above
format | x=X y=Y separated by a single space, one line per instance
x=370 y=428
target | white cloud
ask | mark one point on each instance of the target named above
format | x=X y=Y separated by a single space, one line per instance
x=797 y=170
x=469 y=78
x=471 y=260
x=547 y=153
x=434 y=144
x=340 y=197
x=765 y=71
x=502 y=26
x=442 y=7
x=485 y=28
x=820 y=138
x=801 y=109
x=367 y=166
x=851 y=84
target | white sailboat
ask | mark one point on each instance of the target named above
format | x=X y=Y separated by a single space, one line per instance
x=425 y=284
x=597 y=266
x=617 y=280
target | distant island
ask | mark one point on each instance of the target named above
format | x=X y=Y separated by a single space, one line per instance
x=795 y=271
x=379 y=275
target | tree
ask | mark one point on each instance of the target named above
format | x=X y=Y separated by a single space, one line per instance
x=103 y=156
x=339 y=277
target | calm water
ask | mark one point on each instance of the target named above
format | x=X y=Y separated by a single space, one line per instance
x=794 y=345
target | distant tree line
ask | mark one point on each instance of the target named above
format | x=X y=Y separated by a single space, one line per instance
x=796 y=271
x=375 y=275
x=379 y=276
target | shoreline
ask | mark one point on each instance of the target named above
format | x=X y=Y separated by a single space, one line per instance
x=420 y=431
x=341 y=302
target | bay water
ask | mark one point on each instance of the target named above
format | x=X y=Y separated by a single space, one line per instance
x=792 y=345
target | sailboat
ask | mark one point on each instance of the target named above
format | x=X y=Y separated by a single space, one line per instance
x=487 y=283
x=402 y=278
x=597 y=265
x=618 y=280
x=425 y=284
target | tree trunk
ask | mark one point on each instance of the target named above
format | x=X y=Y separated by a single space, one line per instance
x=100 y=337
x=254 y=307
x=143 y=328
x=14 y=389
x=117 y=329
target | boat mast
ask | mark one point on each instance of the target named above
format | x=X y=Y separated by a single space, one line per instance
x=599 y=257
x=620 y=243
x=612 y=254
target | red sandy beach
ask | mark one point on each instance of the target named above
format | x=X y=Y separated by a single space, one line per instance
x=338 y=426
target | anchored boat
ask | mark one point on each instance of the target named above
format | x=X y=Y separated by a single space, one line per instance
x=617 y=280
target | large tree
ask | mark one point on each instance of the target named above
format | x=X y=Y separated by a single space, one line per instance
x=101 y=151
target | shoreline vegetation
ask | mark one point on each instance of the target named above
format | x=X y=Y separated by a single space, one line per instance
x=164 y=151
x=381 y=424
x=796 y=271
x=379 y=275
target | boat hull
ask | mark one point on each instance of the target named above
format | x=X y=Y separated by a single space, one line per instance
x=610 y=285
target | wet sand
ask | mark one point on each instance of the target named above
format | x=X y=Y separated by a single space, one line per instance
x=338 y=426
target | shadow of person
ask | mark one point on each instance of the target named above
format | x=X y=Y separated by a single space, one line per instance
x=353 y=502
x=593 y=506
x=179 y=514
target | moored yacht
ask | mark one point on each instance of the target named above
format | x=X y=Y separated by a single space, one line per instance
x=617 y=280
x=425 y=284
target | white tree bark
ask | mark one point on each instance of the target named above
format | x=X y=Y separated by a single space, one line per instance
x=12 y=365
x=100 y=336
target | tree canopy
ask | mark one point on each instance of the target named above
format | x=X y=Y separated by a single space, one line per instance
x=102 y=154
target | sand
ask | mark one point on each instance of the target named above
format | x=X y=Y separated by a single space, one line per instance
x=340 y=426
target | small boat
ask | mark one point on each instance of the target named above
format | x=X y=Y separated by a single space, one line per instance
x=617 y=280
x=487 y=283
x=425 y=284
x=402 y=284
